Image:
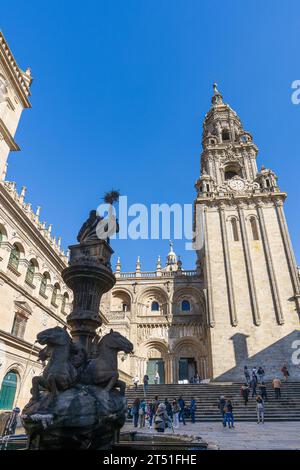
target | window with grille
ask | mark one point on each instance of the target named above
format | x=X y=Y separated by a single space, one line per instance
x=43 y=285
x=30 y=273
x=14 y=258
x=19 y=325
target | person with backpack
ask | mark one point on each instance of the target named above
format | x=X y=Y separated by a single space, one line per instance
x=263 y=391
x=261 y=374
x=260 y=410
x=245 y=393
x=135 y=411
x=161 y=418
x=175 y=411
x=229 y=418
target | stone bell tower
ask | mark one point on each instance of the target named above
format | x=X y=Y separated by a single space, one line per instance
x=250 y=272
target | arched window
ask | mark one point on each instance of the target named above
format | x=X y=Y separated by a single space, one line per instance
x=54 y=295
x=44 y=283
x=124 y=307
x=8 y=390
x=234 y=228
x=254 y=228
x=185 y=306
x=155 y=306
x=225 y=135
x=1 y=237
x=14 y=258
x=64 y=302
x=30 y=272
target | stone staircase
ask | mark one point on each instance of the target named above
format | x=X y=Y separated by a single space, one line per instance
x=285 y=409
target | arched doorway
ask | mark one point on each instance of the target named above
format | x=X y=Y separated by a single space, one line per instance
x=8 y=390
x=190 y=359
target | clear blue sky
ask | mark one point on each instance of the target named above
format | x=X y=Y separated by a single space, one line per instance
x=120 y=92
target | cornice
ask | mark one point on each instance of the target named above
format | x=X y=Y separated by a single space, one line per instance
x=13 y=146
x=23 y=345
x=27 y=224
x=14 y=72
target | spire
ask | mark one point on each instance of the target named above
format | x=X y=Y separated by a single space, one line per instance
x=138 y=267
x=217 y=97
x=171 y=259
x=158 y=266
x=118 y=267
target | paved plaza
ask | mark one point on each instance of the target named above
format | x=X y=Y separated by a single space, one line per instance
x=245 y=436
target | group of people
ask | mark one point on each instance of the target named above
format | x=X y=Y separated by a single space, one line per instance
x=162 y=415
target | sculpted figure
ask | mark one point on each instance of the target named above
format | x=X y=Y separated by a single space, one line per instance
x=103 y=370
x=59 y=373
x=96 y=227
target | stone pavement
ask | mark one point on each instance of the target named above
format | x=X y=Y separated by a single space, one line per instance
x=245 y=436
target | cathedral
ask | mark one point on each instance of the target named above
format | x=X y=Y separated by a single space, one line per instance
x=240 y=305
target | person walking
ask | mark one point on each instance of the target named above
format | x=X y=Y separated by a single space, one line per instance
x=193 y=406
x=277 y=388
x=260 y=410
x=161 y=418
x=169 y=409
x=247 y=375
x=142 y=413
x=175 y=411
x=181 y=405
x=261 y=374
x=245 y=393
x=254 y=372
x=229 y=418
x=136 y=382
x=221 y=406
x=253 y=385
x=285 y=372
x=151 y=412
x=145 y=382
x=263 y=391
x=135 y=411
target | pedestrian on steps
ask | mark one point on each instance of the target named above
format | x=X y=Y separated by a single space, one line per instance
x=247 y=375
x=260 y=410
x=135 y=383
x=285 y=372
x=245 y=393
x=277 y=387
x=253 y=385
x=263 y=391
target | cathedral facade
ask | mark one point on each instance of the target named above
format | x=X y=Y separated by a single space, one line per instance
x=241 y=305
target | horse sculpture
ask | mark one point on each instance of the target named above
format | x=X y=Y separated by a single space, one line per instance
x=103 y=370
x=59 y=373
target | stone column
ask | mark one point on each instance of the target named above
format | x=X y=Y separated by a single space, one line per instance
x=207 y=273
x=249 y=267
x=270 y=266
x=288 y=250
x=228 y=271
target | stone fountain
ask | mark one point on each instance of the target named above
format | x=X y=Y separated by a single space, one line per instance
x=79 y=402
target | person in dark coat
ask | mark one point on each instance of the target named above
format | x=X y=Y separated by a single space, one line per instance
x=229 y=414
x=253 y=384
x=263 y=391
x=181 y=405
x=221 y=406
x=247 y=375
x=245 y=393
x=135 y=411
x=193 y=406
x=168 y=408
